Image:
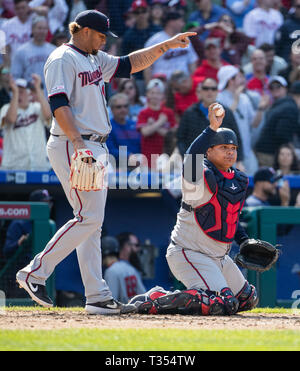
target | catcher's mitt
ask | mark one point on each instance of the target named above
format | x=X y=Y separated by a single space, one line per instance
x=86 y=176
x=257 y=255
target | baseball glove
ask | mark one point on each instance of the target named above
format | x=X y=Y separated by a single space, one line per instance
x=86 y=176
x=257 y=255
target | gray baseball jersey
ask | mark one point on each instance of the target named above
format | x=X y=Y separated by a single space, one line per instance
x=124 y=281
x=195 y=259
x=81 y=77
x=72 y=73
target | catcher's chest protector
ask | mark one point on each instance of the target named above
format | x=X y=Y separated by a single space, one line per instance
x=218 y=217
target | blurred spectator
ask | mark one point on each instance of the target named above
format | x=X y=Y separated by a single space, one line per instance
x=292 y=68
x=136 y=37
x=122 y=277
x=281 y=120
x=285 y=34
x=31 y=57
x=9 y=6
x=156 y=12
x=258 y=79
x=55 y=10
x=238 y=9
x=231 y=95
x=129 y=19
x=23 y=124
x=274 y=63
x=17 y=30
x=262 y=22
x=210 y=66
x=260 y=103
x=116 y=11
x=76 y=7
x=184 y=88
x=177 y=6
x=124 y=132
x=4 y=86
x=233 y=42
x=1 y=147
x=286 y=160
x=19 y=230
x=18 y=240
x=155 y=122
x=130 y=249
x=173 y=60
x=136 y=101
x=195 y=119
x=5 y=12
x=207 y=12
x=60 y=37
x=265 y=188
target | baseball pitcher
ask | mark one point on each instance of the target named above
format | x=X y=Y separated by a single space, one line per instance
x=75 y=74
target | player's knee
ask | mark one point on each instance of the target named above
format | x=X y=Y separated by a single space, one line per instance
x=247 y=297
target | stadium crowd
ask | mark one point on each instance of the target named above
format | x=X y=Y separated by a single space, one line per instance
x=245 y=56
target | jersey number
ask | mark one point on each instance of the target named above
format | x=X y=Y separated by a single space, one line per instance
x=131 y=283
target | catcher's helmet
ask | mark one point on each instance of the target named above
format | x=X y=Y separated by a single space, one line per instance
x=110 y=246
x=224 y=136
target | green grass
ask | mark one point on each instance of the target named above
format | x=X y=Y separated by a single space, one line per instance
x=148 y=339
x=165 y=339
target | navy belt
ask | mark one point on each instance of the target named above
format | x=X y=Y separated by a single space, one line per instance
x=92 y=137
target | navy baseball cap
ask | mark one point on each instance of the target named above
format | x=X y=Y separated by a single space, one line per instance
x=266 y=174
x=95 y=20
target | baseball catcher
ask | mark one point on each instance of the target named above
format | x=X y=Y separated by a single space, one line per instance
x=213 y=194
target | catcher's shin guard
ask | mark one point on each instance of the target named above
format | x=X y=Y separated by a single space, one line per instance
x=190 y=302
x=247 y=297
x=145 y=303
x=230 y=301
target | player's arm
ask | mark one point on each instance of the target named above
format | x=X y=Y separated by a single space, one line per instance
x=12 y=112
x=193 y=159
x=65 y=119
x=144 y=58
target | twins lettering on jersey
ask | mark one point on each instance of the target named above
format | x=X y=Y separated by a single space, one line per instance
x=25 y=121
x=90 y=77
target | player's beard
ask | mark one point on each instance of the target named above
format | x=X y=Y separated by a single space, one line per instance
x=134 y=260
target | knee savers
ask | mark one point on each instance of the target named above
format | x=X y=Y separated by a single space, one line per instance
x=247 y=297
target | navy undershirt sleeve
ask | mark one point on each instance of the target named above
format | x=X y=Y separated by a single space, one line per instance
x=124 y=68
x=193 y=162
x=240 y=234
x=58 y=100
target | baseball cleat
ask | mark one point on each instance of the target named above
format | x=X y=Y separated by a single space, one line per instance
x=109 y=307
x=37 y=292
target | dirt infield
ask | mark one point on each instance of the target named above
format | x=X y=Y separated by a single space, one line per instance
x=58 y=319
